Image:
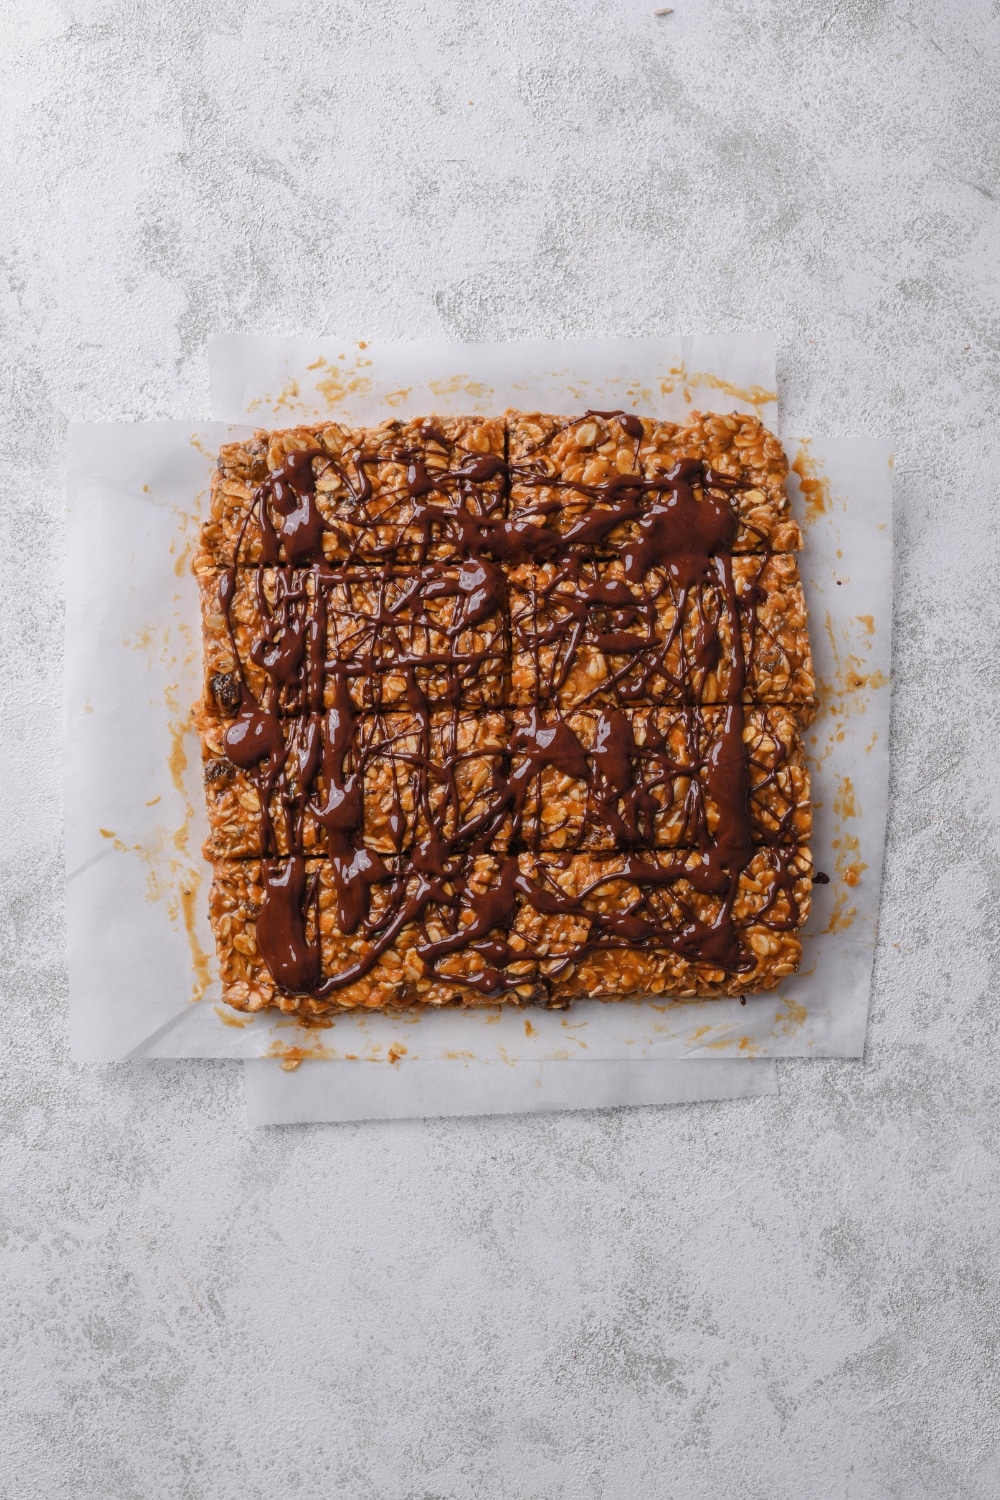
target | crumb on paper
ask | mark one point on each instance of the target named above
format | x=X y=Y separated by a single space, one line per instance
x=395 y=1052
x=529 y=1030
x=290 y=1057
x=850 y=868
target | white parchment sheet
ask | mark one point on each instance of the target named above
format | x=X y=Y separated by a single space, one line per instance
x=140 y=949
x=274 y=381
x=337 y=1091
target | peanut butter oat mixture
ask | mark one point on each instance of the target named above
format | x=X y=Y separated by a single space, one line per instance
x=504 y=710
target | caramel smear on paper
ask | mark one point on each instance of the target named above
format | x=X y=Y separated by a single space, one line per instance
x=849 y=692
x=461 y=385
x=340 y=380
x=792 y=1016
x=190 y=878
x=291 y=1057
x=845 y=804
x=171 y=874
x=815 y=487
x=678 y=376
x=229 y=1019
x=753 y=395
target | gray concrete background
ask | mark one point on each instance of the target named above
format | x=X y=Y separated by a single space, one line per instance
x=791 y=1297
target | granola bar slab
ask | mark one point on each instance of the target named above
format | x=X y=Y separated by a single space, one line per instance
x=571 y=475
x=589 y=631
x=395 y=492
x=414 y=777
x=479 y=731
x=291 y=634
x=533 y=926
x=392 y=974
x=605 y=779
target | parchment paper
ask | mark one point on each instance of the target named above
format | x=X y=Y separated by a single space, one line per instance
x=140 y=949
x=842 y=497
x=281 y=381
x=341 y=1091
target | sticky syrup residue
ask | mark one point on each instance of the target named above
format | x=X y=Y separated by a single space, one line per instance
x=746 y=1046
x=291 y=1056
x=457 y=385
x=848 y=692
x=850 y=867
x=337 y=385
x=753 y=395
x=845 y=804
x=814 y=485
x=289 y=395
x=229 y=1019
x=190 y=879
x=171 y=874
x=791 y=1016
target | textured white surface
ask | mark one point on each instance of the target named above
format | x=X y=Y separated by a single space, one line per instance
x=791 y=1297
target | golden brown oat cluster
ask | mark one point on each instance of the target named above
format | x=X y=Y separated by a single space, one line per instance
x=504 y=710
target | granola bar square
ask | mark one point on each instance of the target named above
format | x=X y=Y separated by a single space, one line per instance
x=291 y=635
x=571 y=475
x=590 y=631
x=400 y=491
x=397 y=779
x=604 y=779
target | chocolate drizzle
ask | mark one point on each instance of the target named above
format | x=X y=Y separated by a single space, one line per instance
x=434 y=612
